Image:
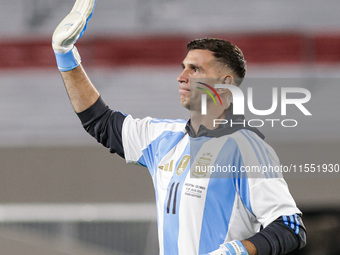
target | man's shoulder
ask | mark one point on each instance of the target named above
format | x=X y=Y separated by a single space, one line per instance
x=249 y=140
x=167 y=121
x=154 y=127
x=149 y=120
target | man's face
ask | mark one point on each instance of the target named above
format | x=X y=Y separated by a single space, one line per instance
x=197 y=64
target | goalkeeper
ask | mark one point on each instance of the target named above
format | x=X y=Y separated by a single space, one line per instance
x=221 y=216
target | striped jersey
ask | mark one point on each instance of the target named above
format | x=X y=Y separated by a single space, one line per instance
x=204 y=193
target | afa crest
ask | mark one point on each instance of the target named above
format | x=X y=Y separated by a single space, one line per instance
x=200 y=169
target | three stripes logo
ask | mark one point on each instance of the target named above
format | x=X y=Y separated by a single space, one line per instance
x=168 y=167
x=292 y=221
x=204 y=97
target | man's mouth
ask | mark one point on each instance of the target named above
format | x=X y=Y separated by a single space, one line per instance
x=184 y=88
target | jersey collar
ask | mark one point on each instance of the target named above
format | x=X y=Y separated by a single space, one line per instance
x=225 y=129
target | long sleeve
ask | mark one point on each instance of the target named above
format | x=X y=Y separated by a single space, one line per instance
x=105 y=125
x=284 y=235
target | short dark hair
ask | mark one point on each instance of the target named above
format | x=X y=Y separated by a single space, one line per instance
x=225 y=52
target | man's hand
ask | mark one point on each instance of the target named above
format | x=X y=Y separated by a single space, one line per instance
x=70 y=29
x=230 y=248
x=81 y=91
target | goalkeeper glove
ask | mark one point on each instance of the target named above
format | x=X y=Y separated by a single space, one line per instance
x=70 y=29
x=231 y=248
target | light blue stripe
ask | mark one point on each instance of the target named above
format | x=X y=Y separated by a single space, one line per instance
x=167 y=121
x=230 y=154
x=254 y=148
x=292 y=222
x=158 y=148
x=297 y=230
x=217 y=213
x=285 y=220
x=122 y=113
x=244 y=193
x=220 y=200
x=230 y=248
x=142 y=162
x=260 y=148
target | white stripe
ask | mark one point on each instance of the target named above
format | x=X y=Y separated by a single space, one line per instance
x=137 y=134
x=272 y=197
x=262 y=160
x=243 y=223
x=163 y=180
x=249 y=156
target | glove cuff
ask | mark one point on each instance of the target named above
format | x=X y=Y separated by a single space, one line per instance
x=235 y=247
x=69 y=60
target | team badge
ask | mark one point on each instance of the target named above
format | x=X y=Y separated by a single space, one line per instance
x=201 y=168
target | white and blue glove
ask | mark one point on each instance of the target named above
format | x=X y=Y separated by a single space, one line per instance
x=70 y=29
x=231 y=248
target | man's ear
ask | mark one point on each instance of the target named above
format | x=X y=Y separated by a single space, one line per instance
x=228 y=79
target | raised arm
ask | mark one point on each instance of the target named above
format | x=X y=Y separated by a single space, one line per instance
x=98 y=120
x=81 y=91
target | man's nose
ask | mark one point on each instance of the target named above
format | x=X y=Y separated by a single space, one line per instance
x=183 y=77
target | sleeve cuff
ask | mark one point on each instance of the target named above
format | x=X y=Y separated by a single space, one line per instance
x=93 y=112
x=261 y=243
x=68 y=61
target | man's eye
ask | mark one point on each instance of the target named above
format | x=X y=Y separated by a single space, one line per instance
x=196 y=69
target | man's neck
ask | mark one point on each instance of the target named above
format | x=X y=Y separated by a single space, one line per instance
x=197 y=119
